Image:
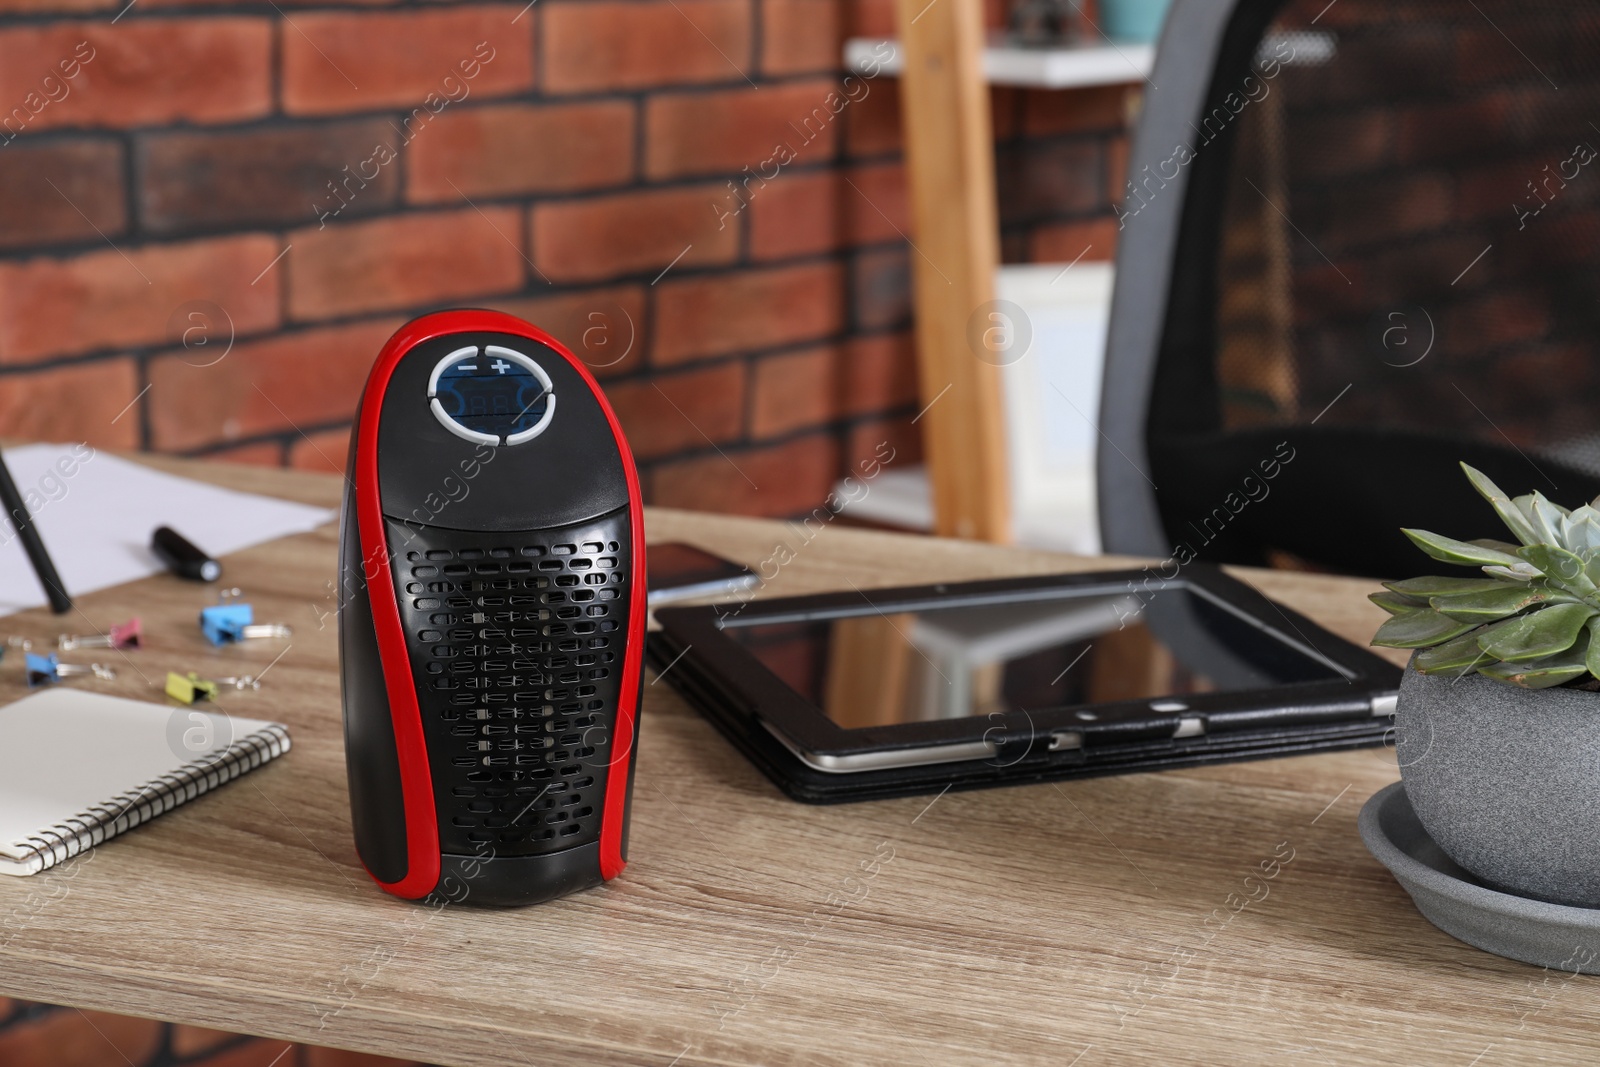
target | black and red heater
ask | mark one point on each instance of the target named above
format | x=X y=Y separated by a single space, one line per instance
x=492 y=630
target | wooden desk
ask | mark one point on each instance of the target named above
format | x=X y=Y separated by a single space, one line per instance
x=1048 y=924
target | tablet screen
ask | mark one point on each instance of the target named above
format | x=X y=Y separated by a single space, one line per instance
x=870 y=668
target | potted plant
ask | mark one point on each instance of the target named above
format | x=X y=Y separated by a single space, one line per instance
x=1498 y=719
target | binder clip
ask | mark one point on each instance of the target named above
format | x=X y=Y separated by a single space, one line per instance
x=190 y=687
x=231 y=621
x=47 y=670
x=129 y=635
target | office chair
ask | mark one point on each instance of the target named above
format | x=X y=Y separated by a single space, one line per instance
x=1360 y=243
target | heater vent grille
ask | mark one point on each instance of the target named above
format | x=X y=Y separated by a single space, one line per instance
x=517 y=643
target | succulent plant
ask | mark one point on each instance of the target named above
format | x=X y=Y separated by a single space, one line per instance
x=1533 y=620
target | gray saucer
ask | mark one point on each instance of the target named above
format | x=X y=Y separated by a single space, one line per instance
x=1548 y=935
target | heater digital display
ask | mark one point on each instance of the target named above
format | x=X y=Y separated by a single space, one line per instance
x=491 y=395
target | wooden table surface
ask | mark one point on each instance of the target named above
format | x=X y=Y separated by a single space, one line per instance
x=1051 y=924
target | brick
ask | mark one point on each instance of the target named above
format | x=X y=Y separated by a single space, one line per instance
x=1005 y=109
x=1040 y=181
x=520 y=149
x=1116 y=153
x=1421 y=269
x=786 y=479
x=880 y=289
x=1340 y=143
x=110 y=298
x=1460 y=129
x=255 y=1052
x=794 y=390
x=724 y=131
x=873 y=18
x=1483 y=56
x=193 y=1040
x=608 y=236
x=796 y=214
x=877 y=205
x=883 y=443
x=1493 y=189
x=328 y=451
x=152 y=5
x=602 y=327
x=1014 y=244
x=424 y=59
x=597 y=45
x=68 y=1036
x=1322 y=291
x=880 y=373
x=672 y=413
x=1496 y=318
x=872 y=124
x=1100 y=108
x=752 y=310
x=405 y=261
x=137 y=73
x=77 y=402
x=333 y=1057
x=810 y=212
x=816 y=386
x=1063 y=242
x=1380 y=210
x=801 y=36
x=30 y=7
x=46 y=192
x=261 y=387
x=263 y=177
x=1571 y=241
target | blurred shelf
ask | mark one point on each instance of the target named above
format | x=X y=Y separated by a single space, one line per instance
x=901 y=499
x=1007 y=64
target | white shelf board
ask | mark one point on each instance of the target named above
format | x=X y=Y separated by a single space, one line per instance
x=1007 y=64
x=903 y=500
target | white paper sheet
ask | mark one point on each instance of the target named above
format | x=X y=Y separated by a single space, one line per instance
x=96 y=513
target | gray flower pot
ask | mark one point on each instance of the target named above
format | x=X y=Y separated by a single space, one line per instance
x=1506 y=780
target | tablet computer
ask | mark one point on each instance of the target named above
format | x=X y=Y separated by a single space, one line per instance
x=896 y=691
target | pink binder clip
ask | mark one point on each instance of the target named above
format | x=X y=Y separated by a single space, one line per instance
x=129 y=635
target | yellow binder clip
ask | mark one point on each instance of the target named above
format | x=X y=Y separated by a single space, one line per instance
x=190 y=687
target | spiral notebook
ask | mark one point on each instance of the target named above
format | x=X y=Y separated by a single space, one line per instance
x=77 y=768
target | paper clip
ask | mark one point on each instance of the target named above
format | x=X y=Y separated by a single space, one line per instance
x=191 y=687
x=127 y=636
x=243 y=681
x=230 y=621
x=47 y=670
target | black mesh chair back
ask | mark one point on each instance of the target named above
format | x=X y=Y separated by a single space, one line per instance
x=1361 y=244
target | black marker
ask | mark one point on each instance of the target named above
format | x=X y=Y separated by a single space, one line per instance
x=28 y=534
x=182 y=557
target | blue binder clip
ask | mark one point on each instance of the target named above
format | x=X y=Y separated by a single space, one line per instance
x=47 y=670
x=231 y=621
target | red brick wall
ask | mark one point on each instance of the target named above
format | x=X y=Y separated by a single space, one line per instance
x=156 y=162
x=33 y=1035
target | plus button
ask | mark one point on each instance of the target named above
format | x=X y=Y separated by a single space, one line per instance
x=500 y=366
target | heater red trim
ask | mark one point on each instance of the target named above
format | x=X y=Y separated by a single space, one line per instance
x=422 y=829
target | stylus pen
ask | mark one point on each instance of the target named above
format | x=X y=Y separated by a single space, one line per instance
x=17 y=508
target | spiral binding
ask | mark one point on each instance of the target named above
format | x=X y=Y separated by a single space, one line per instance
x=123 y=812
